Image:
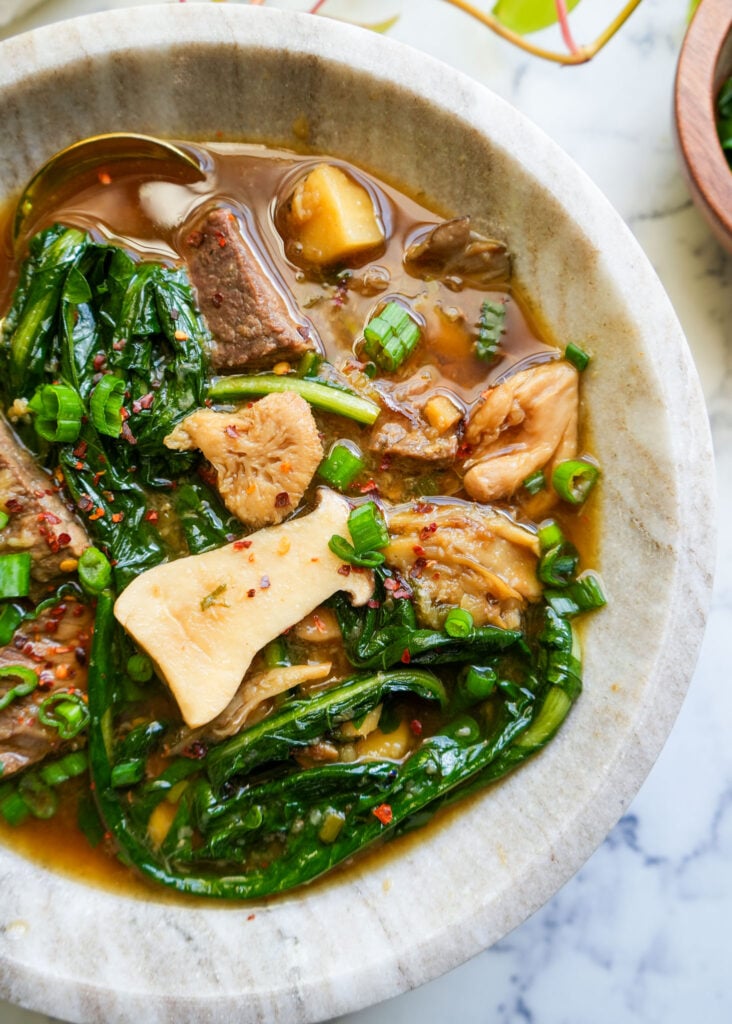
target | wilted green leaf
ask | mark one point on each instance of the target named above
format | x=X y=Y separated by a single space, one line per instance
x=526 y=16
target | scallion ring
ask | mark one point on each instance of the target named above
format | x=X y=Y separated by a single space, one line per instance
x=95 y=572
x=341 y=467
x=58 y=413
x=64 y=711
x=347 y=553
x=574 y=479
x=27 y=684
x=106 y=404
x=367 y=528
x=459 y=623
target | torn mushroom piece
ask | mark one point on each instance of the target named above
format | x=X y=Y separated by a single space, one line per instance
x=330 y=219
x=251 y=322
x=462 y=555
x=265 y=454
x=254 y=691
x=526 y=423
x=452 y=252
x=203 y=618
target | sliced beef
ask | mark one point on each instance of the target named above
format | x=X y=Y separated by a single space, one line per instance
x=452 y=251
x=39 y=521
x=246 y=314
x=56 y=647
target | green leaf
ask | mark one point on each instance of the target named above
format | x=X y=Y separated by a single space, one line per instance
x=526 y=16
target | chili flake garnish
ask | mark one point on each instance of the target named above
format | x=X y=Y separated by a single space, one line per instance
x=415 y=727
x=151 y=516
x=251 y=593
x=384 y=813
x=343 y=570
x=242 y=544
x=98 y=513
x=425 y=532
x=282 y=500
x=406 y=656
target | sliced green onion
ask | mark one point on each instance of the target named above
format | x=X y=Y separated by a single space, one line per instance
x=321 y=395
x=14 y=808
x=391 y=337
x=38 y=796
x=106 y=403
x=558 y=566
x=347 y=553
x=576 y=356
x=64 y=711
x=275 y=653
x=309 y=364
x=68 y=767
x=550 y=534
x=459 y=623
x=10 y=618
x=480 y=682
x=128 y=773
x=95 y=572
x=574 y=479
x=535 y=482
x=58 y=412
x=4 y=519
x=584 y=595
x=15 y=574
x=491 y=326
x=28 y=682
x=341 y=467
x=140 y=668
x=367 y=528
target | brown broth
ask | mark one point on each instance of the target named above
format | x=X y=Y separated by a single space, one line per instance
x=125 y=205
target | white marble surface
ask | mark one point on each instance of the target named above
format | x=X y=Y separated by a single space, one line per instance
x=639 y=935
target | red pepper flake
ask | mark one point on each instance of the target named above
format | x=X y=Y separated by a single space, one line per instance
x=80 y=450
x=343 y=570
x=250 y=917
x=119 y=345
x=49 y=517
x=406 y=656
x=384 y=813
x=98 y=513
x=109 y=496
x=51 y=626
x=369 y=487
x=402 y=594
x=390 y=583
x=418 y=568
x=116 y=518
x=127 y=434
x=415 y=727
x=240 y=545
x=373 y=603
x=424 y=508
x=464 y=451
x=196 y=751
x=180 y=336
x=85 y=503
x=251 y=593
x=217 y=300
x=64 y=539
x=264 y=583
x=13 y=505
x=79 y=465
x=98 y=361
x=425 y=532
x=46 y=679
x=145 y=402
x=151 y=516
x=282 y=500
x=104 y=177
x=221 y=239
x=418 y=549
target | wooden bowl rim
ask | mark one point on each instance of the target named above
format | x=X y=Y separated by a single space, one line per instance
x=697 y=81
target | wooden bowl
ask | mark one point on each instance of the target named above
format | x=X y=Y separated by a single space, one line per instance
x=704 y=63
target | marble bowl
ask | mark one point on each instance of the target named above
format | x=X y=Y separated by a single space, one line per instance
x=704 y=63
x=426 y=904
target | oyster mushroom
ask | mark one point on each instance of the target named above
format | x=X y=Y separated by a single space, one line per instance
x=265 y=454
x=203 y=618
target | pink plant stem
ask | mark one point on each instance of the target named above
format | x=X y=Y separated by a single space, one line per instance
x=563 y=17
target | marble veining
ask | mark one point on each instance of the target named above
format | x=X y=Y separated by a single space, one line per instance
x=640 y=934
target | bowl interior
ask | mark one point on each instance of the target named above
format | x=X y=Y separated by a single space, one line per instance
x=425 y=904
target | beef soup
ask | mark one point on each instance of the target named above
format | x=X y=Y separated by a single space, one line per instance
x=295 y=516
